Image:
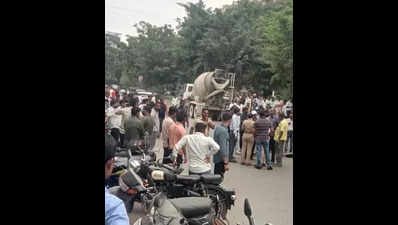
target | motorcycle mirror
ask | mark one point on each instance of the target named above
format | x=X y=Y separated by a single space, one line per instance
x=247 y=208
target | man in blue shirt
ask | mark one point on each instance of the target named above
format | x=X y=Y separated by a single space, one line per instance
x=115 y=211
x=221 y=137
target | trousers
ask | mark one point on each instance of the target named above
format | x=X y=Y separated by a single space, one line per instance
x=259 y=145
x=247 y=147
x=272 y=146
x=219 y=169
x=232 y=143
x=279 y=152
x=115 y=132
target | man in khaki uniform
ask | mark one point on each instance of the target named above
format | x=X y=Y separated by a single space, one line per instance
x=247 y=140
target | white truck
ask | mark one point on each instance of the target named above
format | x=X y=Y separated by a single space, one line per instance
x=213 y=90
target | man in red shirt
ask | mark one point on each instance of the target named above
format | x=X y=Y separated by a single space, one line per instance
x=176 y=132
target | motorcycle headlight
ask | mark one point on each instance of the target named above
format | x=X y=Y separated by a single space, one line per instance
x=233 y=197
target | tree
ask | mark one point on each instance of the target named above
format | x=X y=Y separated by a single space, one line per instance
x=253 y=38
x=155 y=54
x=115 y=62
x=277 y=50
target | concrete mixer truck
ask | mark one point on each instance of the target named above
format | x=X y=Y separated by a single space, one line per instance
x=211 y=90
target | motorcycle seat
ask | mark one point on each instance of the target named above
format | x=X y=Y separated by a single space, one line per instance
x=187 y=179
x=192 y=206
x=211 y=179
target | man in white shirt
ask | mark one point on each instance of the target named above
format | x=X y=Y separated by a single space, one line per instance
x=234 y=128
x=115 y=114
x=200 y=149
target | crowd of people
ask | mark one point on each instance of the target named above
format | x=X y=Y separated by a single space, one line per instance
x=250 y=126
x=259 y=127
x=266 y=129
x=129 y=119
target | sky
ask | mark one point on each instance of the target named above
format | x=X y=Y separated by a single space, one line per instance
x=121 y=15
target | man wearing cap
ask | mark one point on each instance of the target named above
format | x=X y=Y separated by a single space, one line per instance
x=115 y=211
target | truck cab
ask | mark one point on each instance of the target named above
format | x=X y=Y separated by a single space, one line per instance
x=187 y=91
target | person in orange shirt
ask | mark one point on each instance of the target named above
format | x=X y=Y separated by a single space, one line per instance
x=176 y=132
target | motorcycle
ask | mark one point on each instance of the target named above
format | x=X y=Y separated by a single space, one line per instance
x=142 y=181
x=122 y=158
x=186 y=211
x=130 y=187
x=180 y=211
x=177 y=186
x=133 y=189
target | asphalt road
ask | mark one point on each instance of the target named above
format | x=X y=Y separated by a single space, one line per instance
x=270 y=192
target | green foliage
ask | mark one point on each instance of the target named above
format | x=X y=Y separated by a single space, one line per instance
x=155 y=54
x=125 y=81
x=251 y=38
x=115 y=60
x=277 y=50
